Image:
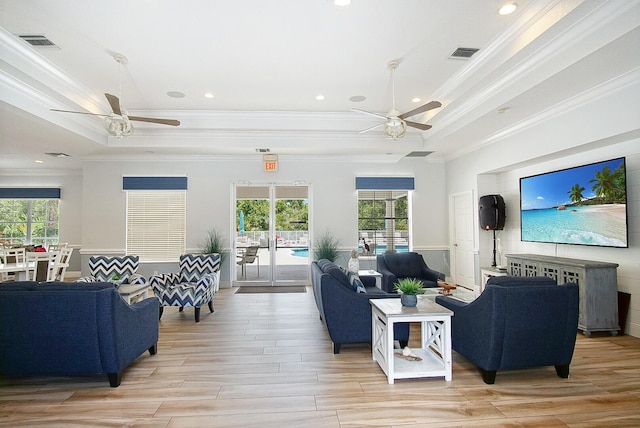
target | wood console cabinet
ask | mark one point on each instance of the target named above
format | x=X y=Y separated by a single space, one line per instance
x=597 y=282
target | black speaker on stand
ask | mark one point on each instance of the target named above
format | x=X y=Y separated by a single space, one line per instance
x=492 y=215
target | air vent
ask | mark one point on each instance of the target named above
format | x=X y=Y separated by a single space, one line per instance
x=464 y=52
x=418 y=154
x=58 y=155
x=38 y=40
x=263 y=150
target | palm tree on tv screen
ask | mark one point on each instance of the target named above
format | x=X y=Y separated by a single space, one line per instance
x=576 y=193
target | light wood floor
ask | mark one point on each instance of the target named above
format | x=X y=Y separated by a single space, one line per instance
x=265 y=360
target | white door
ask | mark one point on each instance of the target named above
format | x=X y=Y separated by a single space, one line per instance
x=463 y=239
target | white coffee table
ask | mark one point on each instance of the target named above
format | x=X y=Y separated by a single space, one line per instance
x=435 y=338
x=459 y=293
x=133 y=293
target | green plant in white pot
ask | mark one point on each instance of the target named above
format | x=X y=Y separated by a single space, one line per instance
x=409 y=289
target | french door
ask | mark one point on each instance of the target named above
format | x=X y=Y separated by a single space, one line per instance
x=271 y=241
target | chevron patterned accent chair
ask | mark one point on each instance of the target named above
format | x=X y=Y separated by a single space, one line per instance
x=195 y=285
x=117 y=270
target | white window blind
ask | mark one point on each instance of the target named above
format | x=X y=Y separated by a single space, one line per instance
x=156 y=224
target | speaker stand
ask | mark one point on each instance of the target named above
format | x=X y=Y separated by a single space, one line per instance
x=493 y=262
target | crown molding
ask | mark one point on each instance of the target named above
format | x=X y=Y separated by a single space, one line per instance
x=552 y=49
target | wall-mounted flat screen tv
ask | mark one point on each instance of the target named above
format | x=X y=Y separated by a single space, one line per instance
x=585 y=205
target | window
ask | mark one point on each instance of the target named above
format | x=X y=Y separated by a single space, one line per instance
x=29 y=221
x=156 y=225
x=383 y=220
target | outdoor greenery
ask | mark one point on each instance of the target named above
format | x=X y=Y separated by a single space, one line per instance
x=372 y=214
x=29 y=221
x=326 y=247
x=290 y=214
x=409 y=286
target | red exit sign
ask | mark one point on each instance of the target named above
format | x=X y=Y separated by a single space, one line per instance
x=271 y=165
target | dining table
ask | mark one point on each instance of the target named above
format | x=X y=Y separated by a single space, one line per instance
x=20 y=269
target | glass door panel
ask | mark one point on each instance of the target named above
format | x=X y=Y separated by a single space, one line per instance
x=252 y=237
x=291 y=234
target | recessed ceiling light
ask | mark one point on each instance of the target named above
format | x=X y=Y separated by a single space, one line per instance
x=209 y=95
x=507 y=8
x=175 y=94
x=416 y=100
x=342 y=2
x=357 y=98
x=39 y=161
x=319 y=97
x=502 y=109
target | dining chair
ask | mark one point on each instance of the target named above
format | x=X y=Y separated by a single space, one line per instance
x=11 y=255
x=44 y=265
x=63 y=263
x=57 y=247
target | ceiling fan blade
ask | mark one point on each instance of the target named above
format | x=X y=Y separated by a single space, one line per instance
x=370 y=129
x=422 y=126
x=421 y=109
x=78 y=112
x=171 y=122
x=114 y=102
x=369 y=113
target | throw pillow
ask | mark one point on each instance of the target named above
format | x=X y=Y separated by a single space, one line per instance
x=356 y=283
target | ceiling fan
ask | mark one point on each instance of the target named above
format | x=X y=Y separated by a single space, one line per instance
x=118 y=122
x=395 y=124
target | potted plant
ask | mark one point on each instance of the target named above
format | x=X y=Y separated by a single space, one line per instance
x=326 y=247
x=409 y=289
x=214 y=243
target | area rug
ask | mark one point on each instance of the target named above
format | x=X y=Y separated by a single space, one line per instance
x=281 y=289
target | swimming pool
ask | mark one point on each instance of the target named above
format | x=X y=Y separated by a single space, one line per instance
x=380 y=249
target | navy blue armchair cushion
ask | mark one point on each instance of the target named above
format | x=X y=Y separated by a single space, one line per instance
x=517 y=322
x=395 y=266
x=72 y=329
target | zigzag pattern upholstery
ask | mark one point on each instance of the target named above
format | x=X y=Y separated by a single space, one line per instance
x=195 y=285
x=105 y=268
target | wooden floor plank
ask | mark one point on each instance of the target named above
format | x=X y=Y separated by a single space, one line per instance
x=266 y=360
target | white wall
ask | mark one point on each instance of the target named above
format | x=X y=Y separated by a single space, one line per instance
x=209 y=198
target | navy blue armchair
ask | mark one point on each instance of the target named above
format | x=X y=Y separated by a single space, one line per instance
x=346 y=312
x=60 y=328
x=395 y=266
x=517 y=322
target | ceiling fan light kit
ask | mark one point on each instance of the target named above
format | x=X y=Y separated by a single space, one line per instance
x=118 y=126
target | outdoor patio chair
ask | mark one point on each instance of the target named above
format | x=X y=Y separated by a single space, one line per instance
x=248 y=257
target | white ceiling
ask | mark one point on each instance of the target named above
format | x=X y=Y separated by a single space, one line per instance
x=265 y=62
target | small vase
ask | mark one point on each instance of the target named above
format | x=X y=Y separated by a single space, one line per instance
x=409 y=300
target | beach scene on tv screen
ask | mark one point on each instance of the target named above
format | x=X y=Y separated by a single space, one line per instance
x=584 y=205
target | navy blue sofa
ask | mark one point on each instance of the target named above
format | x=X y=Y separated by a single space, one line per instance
x=345 y=312
x=517 y=322
x=395 y=266
x=65 y=328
